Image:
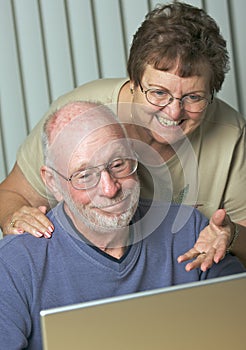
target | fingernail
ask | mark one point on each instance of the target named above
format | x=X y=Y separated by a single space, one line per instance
x=51 y=229
x=47 y=235
x=39 y=234
x=20 y=230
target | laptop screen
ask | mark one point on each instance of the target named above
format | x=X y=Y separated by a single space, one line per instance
x=204 y=315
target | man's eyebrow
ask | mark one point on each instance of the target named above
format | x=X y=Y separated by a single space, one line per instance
x=80 y=167
x=120 y=151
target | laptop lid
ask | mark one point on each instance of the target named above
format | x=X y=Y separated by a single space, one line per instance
x=202 y=315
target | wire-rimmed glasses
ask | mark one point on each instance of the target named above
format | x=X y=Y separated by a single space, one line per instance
x=192 y=102
x=90 y=177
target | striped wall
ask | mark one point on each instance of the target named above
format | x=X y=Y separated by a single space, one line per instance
x=48 y=47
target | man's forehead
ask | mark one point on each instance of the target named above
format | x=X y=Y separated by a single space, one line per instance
x=104 y=146
x=101 y=133
x=82 y=126
x=85 y=135
x=103 y=143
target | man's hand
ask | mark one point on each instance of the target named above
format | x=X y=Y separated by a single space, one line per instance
x=211 y=244
x=29 y=219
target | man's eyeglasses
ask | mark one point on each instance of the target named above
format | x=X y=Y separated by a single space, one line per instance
x=90 y=177
x=192 y=102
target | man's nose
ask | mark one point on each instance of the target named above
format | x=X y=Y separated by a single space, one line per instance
x=108 y=184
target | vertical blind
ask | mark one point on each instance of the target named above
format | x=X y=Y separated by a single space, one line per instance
x=48 y=47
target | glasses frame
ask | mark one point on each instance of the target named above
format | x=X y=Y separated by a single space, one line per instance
x=104 y=166
x=172 y=98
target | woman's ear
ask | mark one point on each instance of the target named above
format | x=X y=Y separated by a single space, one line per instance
x=50 y=182
x=131 y=87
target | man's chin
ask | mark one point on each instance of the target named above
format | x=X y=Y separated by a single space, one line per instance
x=108 y=222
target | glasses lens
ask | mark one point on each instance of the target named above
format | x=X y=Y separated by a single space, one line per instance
x=122 y=167
x=190 y=103
x=194 y=103
x=86 y=178
x=158 y=97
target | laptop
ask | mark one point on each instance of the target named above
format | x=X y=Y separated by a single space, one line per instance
x=203 y=315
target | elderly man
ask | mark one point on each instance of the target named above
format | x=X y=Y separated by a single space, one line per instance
x=99 y=248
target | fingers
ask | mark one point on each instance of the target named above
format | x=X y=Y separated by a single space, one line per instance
x=220 y=221
x=219 y=218
x=202 y=260
x=222 y=227
x=220 y=253
x=33 y=226
x=31 y=220
x=43 y=209
x=191 y=254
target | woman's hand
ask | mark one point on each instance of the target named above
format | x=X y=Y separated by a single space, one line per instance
x=29 y=219
x=211 y=244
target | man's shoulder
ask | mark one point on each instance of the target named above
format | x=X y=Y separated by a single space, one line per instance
x=172 y=208
x=16 y=248
x=175 y=215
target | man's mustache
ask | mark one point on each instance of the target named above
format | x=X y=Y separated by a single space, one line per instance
x=107 y=202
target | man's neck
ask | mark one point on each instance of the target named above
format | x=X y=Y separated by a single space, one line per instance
x=114 y=242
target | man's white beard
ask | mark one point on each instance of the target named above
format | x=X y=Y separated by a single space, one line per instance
x=101 y=222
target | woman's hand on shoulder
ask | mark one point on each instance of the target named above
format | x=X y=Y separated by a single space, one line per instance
x=31 y=220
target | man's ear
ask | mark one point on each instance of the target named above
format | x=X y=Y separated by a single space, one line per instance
x=50 y=182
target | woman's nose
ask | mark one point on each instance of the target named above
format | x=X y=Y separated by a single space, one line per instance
x=174 y=109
